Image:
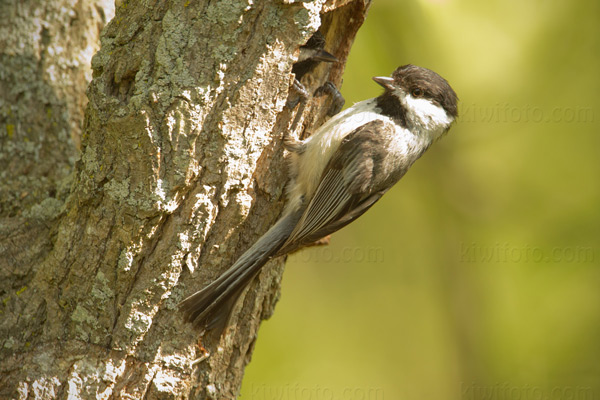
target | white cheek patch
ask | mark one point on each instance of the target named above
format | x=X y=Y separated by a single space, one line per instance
x=427 y=114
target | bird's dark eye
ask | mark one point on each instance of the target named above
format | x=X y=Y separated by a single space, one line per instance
x=417 y=92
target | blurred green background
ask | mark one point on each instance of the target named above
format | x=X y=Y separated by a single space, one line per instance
x=478 y=275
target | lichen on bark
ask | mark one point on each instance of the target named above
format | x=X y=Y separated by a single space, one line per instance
x=181 y=168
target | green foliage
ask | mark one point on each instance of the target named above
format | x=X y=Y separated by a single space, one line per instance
x=477 y=276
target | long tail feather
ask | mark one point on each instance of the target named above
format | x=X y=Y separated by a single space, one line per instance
x=210 y=307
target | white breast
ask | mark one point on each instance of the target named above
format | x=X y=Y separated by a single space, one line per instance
x=323 y=143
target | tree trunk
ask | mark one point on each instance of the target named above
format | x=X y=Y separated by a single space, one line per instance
x=181 y=168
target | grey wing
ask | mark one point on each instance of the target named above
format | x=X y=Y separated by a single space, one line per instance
x=347 y=186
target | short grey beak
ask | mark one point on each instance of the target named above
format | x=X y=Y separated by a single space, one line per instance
x=384 y=81
x=322 y=55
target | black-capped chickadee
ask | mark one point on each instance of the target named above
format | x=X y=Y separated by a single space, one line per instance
x=339 y=173
x=310 y=56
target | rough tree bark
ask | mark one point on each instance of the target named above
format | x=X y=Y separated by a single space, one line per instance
x=181 y=167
